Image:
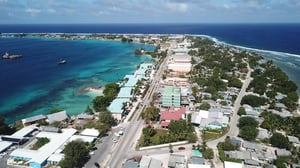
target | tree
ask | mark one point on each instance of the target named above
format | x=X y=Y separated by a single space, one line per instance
x=88 y=110
x=151 y=113
x=76 y=155
x=100 y=103
x=106 y=118
x=279 y=140
x=204 y=106
x=235 y=82
x=247 y=121
x=248 y=133
x=4 y=128
x=253 y=100
x=248 y=130
x=241 y=111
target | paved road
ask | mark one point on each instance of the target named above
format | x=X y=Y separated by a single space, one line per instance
x=233 y=129
x=126 y=145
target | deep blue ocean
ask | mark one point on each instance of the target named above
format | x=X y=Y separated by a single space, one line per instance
x=36 y=84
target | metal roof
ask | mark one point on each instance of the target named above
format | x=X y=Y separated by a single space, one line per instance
x=57 y=116
x=4 y=145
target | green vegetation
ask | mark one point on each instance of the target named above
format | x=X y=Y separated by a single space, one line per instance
x=227 y=146
x=100 y=103
x=40 y=142
x=248 y=128
x=4 y=128
x=105 y=122
x=279 y=140
x=204 y=106
x=273 y=122
x=241 y=111
x=253 y=100
x=89 y=110
x=211 y=134
x=178 y=131
x=76 y=155
x=271 y=80
x=150 y=114
x=207 y=152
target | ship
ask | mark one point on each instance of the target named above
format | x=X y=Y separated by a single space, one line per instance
x=62 y=62
x=7 y=56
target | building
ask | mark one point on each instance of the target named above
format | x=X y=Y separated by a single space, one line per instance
x=148 y=162
x=171 y=96
x=38 y=158
x=212 y=119
x=125 y=94
x=176 y=161
x=31 y=120
x=171 y=114
x=57 y=117
x=232 y=165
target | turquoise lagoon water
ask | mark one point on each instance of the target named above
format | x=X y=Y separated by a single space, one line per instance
x=36 y=84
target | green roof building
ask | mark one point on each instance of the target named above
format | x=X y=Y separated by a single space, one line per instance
x=171 y=96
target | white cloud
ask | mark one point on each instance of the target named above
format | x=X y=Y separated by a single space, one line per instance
x=51 y=10
x=33 y=11
x=177 y=6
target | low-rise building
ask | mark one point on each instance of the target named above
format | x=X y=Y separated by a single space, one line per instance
x=171 y=114
x=177 y=161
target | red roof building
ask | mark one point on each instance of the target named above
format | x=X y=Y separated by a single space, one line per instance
x=171 y=114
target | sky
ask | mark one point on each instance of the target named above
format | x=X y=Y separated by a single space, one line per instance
x=149 y=11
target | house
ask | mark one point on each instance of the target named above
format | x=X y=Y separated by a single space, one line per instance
x=31 y=120
x=59 y=116
x=85 y=116
x=293 y=140
x=212 y=119
x=4 y=145
x=282 y=152
x=251 y=162
x=253 y=146
x=243 y=155
x=235 y=141
x=176 y=161
x=49 y=129
x=148 y=162
x=197 y=160
x=90 y=132
x=232 y=165
x=171 y=114
x=263 y=134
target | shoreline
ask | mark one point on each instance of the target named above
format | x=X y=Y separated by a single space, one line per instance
x=96 y=91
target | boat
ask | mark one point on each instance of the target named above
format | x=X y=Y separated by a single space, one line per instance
x=62 y=62
x=7 y=56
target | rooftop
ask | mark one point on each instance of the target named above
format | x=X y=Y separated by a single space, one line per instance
x=59 y=116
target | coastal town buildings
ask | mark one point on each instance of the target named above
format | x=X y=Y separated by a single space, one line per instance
x=171 y=96
x=126 y=91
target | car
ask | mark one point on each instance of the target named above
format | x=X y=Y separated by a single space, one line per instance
x=120 y=132
x=181 y=148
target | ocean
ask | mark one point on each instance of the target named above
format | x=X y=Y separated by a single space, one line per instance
x=35 y=84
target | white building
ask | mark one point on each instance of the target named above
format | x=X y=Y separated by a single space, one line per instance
x=38 y=158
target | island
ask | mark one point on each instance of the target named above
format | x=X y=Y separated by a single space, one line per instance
x=201 y=104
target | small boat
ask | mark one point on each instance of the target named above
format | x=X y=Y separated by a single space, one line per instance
x=5 y=56
x=62 y=62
